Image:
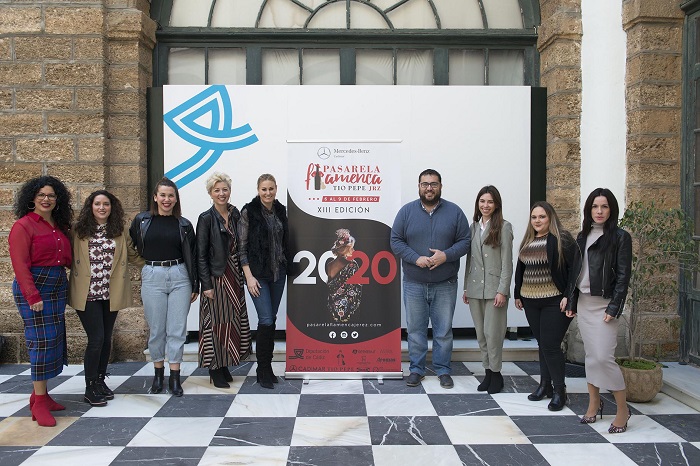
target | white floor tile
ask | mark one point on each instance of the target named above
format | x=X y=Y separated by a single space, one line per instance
x=331 y=431
x=399 y=405
x=517 y=404
x=583 y=454
x=10 y=403
x=199 y=385
x=640 y=429
x=463 y=384
x=482 y=430
x=70 y=456
x=129 y=406
x=264 y=406
x=508 y=368
x=332 y=387
x=263 y=455
x=177 y=432
x=418 y=455
x=663 y=404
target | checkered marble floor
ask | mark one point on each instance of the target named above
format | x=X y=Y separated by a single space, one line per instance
x=356 y=422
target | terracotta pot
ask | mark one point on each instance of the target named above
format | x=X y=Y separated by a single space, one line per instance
x=642 y=384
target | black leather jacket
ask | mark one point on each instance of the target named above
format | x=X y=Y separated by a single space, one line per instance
x=609 y=271
x=139 y=227
x=560 y=276
x=213 y=245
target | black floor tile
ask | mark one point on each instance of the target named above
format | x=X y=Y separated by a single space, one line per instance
x=159 y=456
x=97 y=431
x=686 y=426
x=124 y=368
x=286 y=387
x=357 y=456
x=661 y=454
x=137 y=385
x=13 y=369
x=331 y=405
x=390 y=387
x=518 y=384
x=466 y=405
x=14 y=456
x=23 y=384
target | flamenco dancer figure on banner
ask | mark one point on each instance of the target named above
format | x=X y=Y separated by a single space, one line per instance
x=343 y=296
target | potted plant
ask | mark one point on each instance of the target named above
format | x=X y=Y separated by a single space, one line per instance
x=663 y=255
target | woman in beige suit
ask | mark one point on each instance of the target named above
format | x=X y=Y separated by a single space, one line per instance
x=487 y=282
x=100 y=284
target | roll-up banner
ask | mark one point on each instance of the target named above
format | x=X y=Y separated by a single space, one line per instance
x=311 y=138
x=344 y=300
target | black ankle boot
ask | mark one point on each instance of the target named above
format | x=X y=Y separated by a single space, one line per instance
x=559 y=399
x=227 y=374
x=108 y=394
x=93 y=395
x=496 y=384
x=545 y=389
x=217 y=376
x=484 y=385
x=157 y=385
x=174 y=383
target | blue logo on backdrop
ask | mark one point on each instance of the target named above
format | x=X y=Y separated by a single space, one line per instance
x=206 y=121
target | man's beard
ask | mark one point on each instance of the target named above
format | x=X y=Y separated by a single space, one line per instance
x=431 y=202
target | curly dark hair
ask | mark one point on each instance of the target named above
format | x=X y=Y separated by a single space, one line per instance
x=86 y=226
x=62 y=214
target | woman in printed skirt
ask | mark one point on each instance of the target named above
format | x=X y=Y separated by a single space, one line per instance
x=224 y=331
x=541 y=278
x=99 y=284
x=169 y=282
x=598 y=289
x=40 y=252
x=266 y=260
x=487 y=280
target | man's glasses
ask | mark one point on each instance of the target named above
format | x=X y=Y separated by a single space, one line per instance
x=433 y=185
x=50 y=197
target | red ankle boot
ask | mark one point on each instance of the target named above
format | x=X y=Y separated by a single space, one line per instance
x=40 y=411
x=53 y=406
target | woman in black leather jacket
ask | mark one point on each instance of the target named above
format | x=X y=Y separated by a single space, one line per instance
x=169 y=283
x=224 y=332
x=597 y=291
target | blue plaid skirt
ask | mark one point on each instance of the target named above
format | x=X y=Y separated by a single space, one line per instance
x=45 y=331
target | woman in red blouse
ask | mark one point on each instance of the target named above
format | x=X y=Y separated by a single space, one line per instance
x=40 y=252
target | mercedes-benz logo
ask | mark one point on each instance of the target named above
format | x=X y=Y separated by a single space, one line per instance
x=323 y=153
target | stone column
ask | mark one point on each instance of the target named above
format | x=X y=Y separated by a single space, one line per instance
x=130 y=37
x=71 y=98
x=559 y=44
x=654 y=79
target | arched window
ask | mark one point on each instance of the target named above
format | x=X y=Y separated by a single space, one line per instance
x=380 y=42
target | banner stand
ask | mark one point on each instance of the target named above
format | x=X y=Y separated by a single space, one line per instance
x=307 y=376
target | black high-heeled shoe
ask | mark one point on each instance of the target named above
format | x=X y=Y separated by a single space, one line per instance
x=227 y=374
x=217 y=376
x=590 y=420
x=617 y=429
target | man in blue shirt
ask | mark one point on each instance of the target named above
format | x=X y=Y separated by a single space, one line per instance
x=430 y=235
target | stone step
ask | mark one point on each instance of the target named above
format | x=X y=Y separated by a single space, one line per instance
x=464 y=349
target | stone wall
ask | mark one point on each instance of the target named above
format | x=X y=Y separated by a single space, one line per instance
x=653 y=85
x=73 y=80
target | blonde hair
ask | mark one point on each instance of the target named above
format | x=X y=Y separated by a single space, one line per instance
x=218 y=177
x=555 y=229
x=266 y=177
